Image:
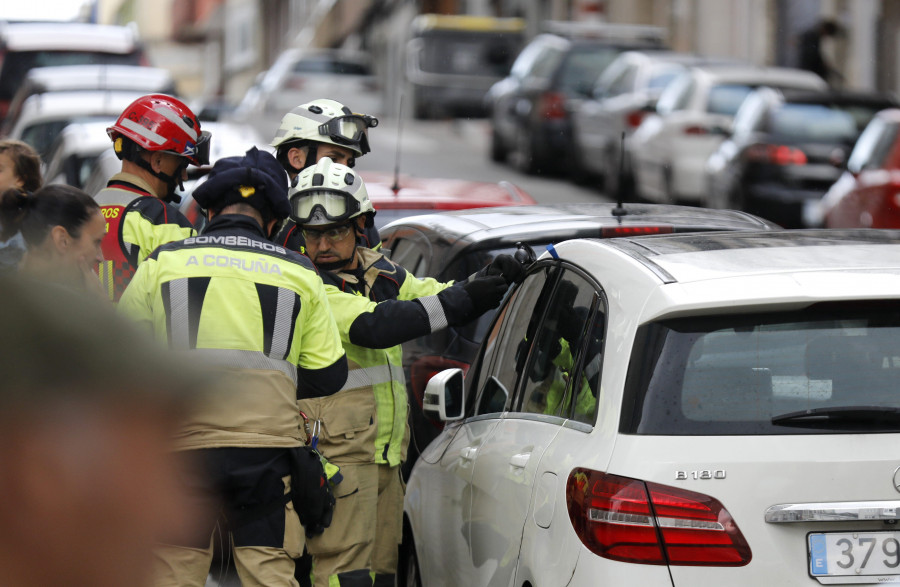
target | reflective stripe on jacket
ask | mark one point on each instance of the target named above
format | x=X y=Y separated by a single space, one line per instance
x=251 y=309
x=137 y=222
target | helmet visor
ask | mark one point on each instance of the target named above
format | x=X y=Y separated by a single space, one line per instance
x=333 y=205
x=350 y=130
x=201 y=157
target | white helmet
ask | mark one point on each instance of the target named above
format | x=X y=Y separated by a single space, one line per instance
x=327 y=193
x=326 y=121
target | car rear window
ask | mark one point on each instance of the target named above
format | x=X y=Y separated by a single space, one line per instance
x=16 y=64
x=464 y=53
x=731 y=375
x=330 y=66
x=583 y=66
x=813 y=123
x=727 y=98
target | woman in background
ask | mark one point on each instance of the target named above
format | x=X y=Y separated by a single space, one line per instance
x=62 y=227
x=20 y=168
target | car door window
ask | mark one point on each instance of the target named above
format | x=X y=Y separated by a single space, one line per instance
x=569 y=337
x=411 y=250
x=503 y=351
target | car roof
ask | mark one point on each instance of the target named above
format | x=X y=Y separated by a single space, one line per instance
x=759 y=75
x=605 y=33
x=497 y=227
x=55 y=36
x=99 y=77
x=439 y=194
x=685 y=258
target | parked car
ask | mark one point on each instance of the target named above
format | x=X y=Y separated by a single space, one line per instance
x=624 y=94
x=67 y=78
x=43 y=116
x=786 y=150
x=25 y=45
x=693 y=409
x=417 y=195
x=299 y=76
x=867 y=194
x=530 y=110
x=670 y=147
x=452 y=61
x=454 y=245
x=73 y=153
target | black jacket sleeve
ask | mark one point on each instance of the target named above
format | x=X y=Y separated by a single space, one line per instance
x=394 y=322
x=321 y=382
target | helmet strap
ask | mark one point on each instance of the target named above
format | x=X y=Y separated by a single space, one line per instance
x=170 y=180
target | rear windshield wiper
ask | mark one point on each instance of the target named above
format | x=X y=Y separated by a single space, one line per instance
x=839 y=415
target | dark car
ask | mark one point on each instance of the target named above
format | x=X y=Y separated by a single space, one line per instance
x=454 y=245
x=867 y=195
x=786 y=149
x=531 y=108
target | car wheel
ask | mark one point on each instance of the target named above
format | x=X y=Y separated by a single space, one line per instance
x=498 y=151
x=408 y=570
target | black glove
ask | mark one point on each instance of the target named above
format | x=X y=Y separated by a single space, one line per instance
x=485 y=292
x=310 y=491
x=507 y=266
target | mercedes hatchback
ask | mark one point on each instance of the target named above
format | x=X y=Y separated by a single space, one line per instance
x=674 y=410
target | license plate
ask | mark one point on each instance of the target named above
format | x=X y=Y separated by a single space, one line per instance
x=855 y=557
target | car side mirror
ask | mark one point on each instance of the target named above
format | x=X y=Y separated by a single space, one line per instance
x=443 y=398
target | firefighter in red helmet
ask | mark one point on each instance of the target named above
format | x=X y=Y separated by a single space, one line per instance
x=156 y=137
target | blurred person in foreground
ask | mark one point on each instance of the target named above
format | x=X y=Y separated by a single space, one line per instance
x=20 y=168
x=259 y=314
x=88 y=410
x=62 y=227
x=378 y=306
x=156 y=137
x=311 y=131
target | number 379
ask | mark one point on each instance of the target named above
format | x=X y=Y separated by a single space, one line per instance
x=864 y=548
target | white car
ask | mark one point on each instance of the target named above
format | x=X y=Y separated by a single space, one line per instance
x=624 y=94
x=73 y=154
x=674 y=410
x=43 y=116
x=694 y=113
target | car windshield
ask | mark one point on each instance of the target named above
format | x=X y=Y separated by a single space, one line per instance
x=41 y=135
x=815 y=123
x=17 y=64
x=722 y=375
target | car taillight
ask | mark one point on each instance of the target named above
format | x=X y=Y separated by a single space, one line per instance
x=775 y=154
x=634 y=118
x=552 y=106
x=614 y=231
x=630 y=520
x=695 y=130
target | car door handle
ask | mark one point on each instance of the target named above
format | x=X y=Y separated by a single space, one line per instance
x=520 y=460
x=468 y=453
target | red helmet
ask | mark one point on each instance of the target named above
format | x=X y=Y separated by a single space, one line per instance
x=157 y=122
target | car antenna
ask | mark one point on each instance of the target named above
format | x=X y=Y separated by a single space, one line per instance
x=396 y=187
x=620 y=210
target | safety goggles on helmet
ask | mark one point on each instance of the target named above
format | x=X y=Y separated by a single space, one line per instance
x=350 y=130
x=332 y=205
